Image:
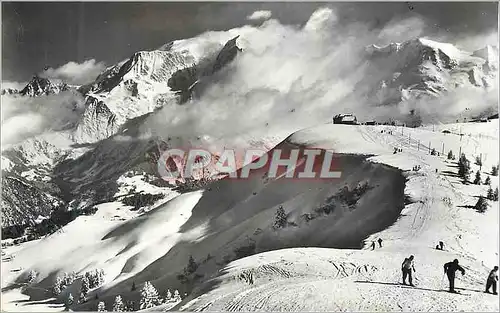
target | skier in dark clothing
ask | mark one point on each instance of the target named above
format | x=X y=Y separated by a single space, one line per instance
x=492 y=281
x=441 y=245
x=406 y=268
x=450 y=268
x=373 y=245
x=380 y=242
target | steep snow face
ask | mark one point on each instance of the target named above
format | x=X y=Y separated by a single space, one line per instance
x=137 y=87
x=422 y=67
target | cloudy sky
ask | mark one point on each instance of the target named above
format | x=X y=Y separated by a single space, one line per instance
x=39 y=35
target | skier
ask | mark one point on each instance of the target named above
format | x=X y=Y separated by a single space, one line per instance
x=450 y=268
x=380 y=242
x=492 y=281
x=406 y=268
x=373 y=245
x=441 y=245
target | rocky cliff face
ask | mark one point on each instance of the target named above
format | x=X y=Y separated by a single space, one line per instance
x=39 y=86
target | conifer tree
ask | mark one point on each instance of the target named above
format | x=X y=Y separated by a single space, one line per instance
x=477 y=179
x=70 y=300
x=57 y=286
x=463 y=167
x=192 y=265
x=85 y=285
x=494 y=171
x=490 y=194
x=481 y=205
x=177 y=296
x=118 y=305
x=450 y=155
x=149 y=296
x=280 y=220
x=101 y=307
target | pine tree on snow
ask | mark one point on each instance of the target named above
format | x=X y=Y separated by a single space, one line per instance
x=70 y=300
x=487 y=181
x=82 y=298
x=93 y=279
x=489 y=194
x=88 y=277
x=85 y=285
x=168 y=297
x=479 y=161
x=68 y=279
x=280 y=218
x=463 y=167
x=481 y=205
x=192 y=265
x=118 y=305
x=450 y=155
x=32 y=276
x=177 y=296
x=101 y=277
x=477 y=179
x=101 y=307
x=495 y=195
x=149 y=296
x=57 y=286
x=494 y=171
x=130 y=306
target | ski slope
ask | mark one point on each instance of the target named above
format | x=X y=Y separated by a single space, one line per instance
x=155 y=245
x=314 y=279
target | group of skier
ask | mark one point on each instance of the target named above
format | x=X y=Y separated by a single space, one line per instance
x=379 y=243
x=450 y=268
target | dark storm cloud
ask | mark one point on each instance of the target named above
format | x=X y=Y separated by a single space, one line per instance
x=39 y=35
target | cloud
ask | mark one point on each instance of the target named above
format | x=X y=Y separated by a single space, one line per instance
x=290 y=77
x=260 y=15
x=75 y=73
x=477 y=41
x=398 y=30
x=27 y=117
x=13 y=85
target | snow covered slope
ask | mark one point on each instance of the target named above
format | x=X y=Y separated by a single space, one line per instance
x=358 y=280
x=232 y=220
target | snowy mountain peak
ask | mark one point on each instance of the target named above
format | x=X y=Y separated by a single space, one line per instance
x=39 y=86
x=422 y=66
x=423 y=48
